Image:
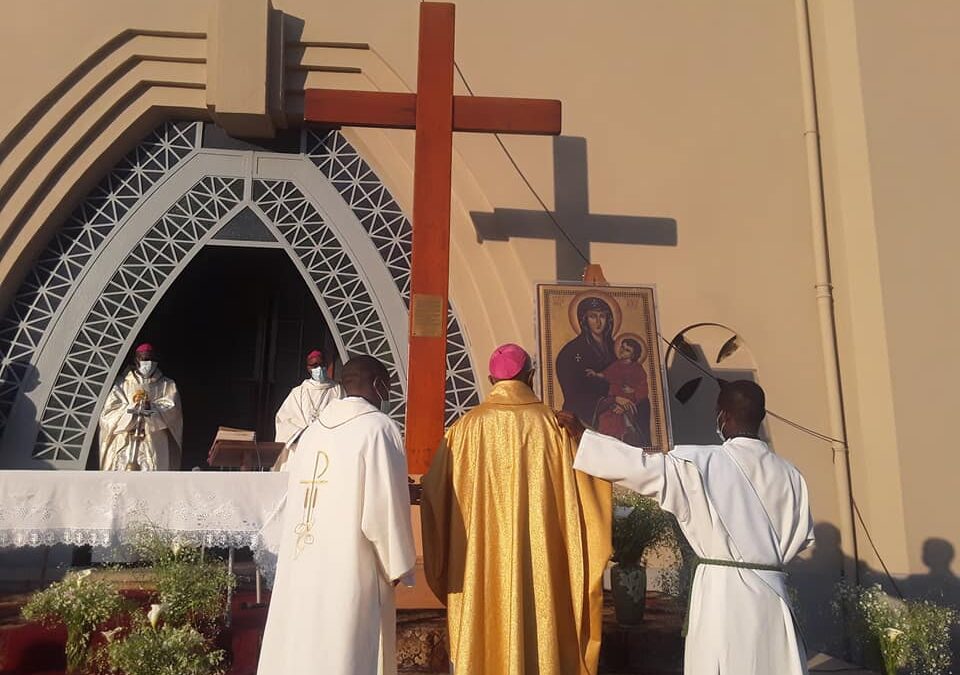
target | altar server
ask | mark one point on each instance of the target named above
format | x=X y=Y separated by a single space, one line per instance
x=745 y=513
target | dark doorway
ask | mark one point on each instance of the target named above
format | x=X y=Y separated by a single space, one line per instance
x=232 y=332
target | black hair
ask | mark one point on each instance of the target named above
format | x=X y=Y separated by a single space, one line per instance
x=745 y=403
x=362 y=370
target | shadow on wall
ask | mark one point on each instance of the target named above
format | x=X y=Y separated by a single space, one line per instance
x=18 y=379
x=815 y=577
x=572 y=211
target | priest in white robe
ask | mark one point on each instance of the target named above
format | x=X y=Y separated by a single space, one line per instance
x=303 y=405
x=141 y=425
x=346 y=539
x=745 y=513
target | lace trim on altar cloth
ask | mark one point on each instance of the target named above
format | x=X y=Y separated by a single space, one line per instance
x=111 y=537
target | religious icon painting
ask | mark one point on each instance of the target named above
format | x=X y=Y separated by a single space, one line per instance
x=600 y=359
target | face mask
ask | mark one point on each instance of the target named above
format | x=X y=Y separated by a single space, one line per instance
x=720 y=429
x=319 y=374
x=384 y=402
x=145 y=368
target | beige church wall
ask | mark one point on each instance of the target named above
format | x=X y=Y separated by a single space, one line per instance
x=690 y=113
x=908 y=63
x=890 y=159
x=861 y=319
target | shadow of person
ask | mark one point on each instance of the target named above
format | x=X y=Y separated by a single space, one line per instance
x=814 y=577
x=940 y=584
x=19 y=429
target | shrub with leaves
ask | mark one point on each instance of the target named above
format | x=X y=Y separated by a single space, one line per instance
x=191 y=589
x=928 y=633
x=903 y=633
x=81 y=605
x=150 y=648
x=645 y=526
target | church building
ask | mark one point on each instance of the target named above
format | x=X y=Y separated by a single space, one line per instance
x=782 y=172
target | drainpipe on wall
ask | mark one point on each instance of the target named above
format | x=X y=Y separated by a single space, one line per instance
x=824 y=294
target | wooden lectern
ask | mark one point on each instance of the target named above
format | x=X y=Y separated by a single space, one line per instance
x=240 y=449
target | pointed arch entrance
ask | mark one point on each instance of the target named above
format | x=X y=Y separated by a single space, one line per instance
x=71 y=325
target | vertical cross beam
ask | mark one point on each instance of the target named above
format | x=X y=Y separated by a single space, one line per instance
x=429 y=281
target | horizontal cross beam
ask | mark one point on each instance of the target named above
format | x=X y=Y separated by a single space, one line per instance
x=485 y=114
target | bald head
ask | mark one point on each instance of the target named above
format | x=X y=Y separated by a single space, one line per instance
x=741 y=407
x=366 y=377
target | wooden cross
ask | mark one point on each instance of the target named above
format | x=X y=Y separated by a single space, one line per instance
x=435 y=113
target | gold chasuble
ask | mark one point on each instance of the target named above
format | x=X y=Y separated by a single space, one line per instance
x=515 y=541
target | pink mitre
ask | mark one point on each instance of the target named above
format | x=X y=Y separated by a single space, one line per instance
x=508 y=361
x=315 y=354
x=145 y=347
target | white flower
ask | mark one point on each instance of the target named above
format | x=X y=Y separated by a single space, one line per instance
x=154 y=614
x=110 y=634
x=893 y=633
x=176 y=548
x=83 y=575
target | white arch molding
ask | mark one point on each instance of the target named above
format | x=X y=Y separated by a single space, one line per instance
x=64 y=337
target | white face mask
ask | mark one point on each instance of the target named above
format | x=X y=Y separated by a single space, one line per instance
x=720 y=429
x=318 y=374
x=385 y=403
x=145 y=368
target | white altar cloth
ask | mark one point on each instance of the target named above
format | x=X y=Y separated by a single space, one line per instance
x=104 y=508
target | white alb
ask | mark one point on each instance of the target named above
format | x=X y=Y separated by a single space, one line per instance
x=736 y=502
x=346 y=539
x=299 y=410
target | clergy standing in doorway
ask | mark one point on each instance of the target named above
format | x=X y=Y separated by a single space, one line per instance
x=303 y=405
x=141 y=426
x=346 y=539
x=515 y=541
x=745 y=513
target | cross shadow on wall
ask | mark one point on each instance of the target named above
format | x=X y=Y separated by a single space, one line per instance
x=572 y=211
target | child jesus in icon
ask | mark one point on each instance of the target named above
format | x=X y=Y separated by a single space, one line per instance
x=624 y=412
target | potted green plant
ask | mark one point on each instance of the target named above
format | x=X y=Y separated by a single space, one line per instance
x=639 y=524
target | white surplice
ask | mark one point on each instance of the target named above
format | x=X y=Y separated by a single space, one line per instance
x=160 y=449
x=736 y=502
x=346 y=539
x=299 y=410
